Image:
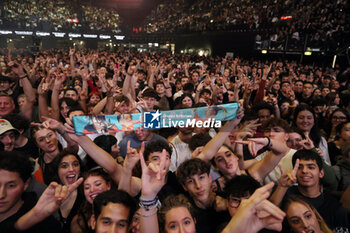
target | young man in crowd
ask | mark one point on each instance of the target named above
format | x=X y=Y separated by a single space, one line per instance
x=16 y=213
x=113 y=212
x=308 y=172
x=8 y=135
x=194 y=176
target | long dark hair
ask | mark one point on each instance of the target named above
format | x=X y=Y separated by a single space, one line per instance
x=315 y=134
x=56 y=162
x=86 y=209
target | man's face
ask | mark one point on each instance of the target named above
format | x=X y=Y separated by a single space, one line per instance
x=4 y=85
x=264 y=115
x=285 y=87
x=150 y=102
x=199 y=187
x=184 y=81
x=75 y=113
x=319 y=109
x=160 y=88
x=114 y=218
x=71 y=94
x=325 y=91
x=233 y=203
x=195 y=77
x=157 y=157
x=295 y=141
x=6 y=105
x=307 y=89
x=122 y=107
x=142 y=134
x=298 y=87
x=11 y=189
x=8 y=139
x=278 y=133
x=309 y=174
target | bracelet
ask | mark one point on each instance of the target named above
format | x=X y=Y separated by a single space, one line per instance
x=150 y=215
x=269 y=144
x=150 y=206
x=149 y=201
x=25 y=76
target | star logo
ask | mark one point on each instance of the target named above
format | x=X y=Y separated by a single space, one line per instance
x=151 y=120
x=156 y=116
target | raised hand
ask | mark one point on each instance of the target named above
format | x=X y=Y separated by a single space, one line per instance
x=307 y=143
x=288 y=178
x=153 y=175
x=53 y=197
x=132 y=156
x=17 y=69
x=197 y=151
x=52 y=124
x=254 y=144
x=248 y=130
x=256 y=213
x=45 y=85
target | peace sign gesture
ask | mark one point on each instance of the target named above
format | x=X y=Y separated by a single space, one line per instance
x=153 y=175
x=288 y=178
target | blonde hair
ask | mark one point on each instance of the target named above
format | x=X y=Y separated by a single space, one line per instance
x=295 y=198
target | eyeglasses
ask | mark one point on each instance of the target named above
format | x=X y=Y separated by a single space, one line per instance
x=339 y=118
x=235 y=202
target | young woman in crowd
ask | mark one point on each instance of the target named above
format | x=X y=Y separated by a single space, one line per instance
x=303 y=217
x=338 y=116
x=46 y=139
x=342 y=134
x=95 y=182
x=68 y=168
x=305 y=120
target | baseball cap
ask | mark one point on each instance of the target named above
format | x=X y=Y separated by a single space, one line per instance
x=5 y=126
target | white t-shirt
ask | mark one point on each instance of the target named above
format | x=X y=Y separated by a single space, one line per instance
x=286 y=163
x=181 y=153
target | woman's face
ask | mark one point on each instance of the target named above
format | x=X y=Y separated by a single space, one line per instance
x=187 y=101
x=317 y=92
x=337 y=118
x=135 y=222
x=46 y=140
x=305 y=121
x=337 y=99
x=345 y=132
x=179 y=219
x=68 y=170
x=301 y=219
x=226 y=161
x=64 y=109
x=94 y=185
x=94 y=99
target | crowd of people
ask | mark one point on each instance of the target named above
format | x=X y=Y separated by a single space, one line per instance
x=322 y=24
x=291 y=135
x=59 y=15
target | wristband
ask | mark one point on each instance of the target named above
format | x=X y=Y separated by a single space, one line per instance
x=150 y=205
x=150 y=215
x=269 y=144
x=149 y=201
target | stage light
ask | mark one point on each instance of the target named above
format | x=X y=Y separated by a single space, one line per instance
x=264 y=51
x=307 y=53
